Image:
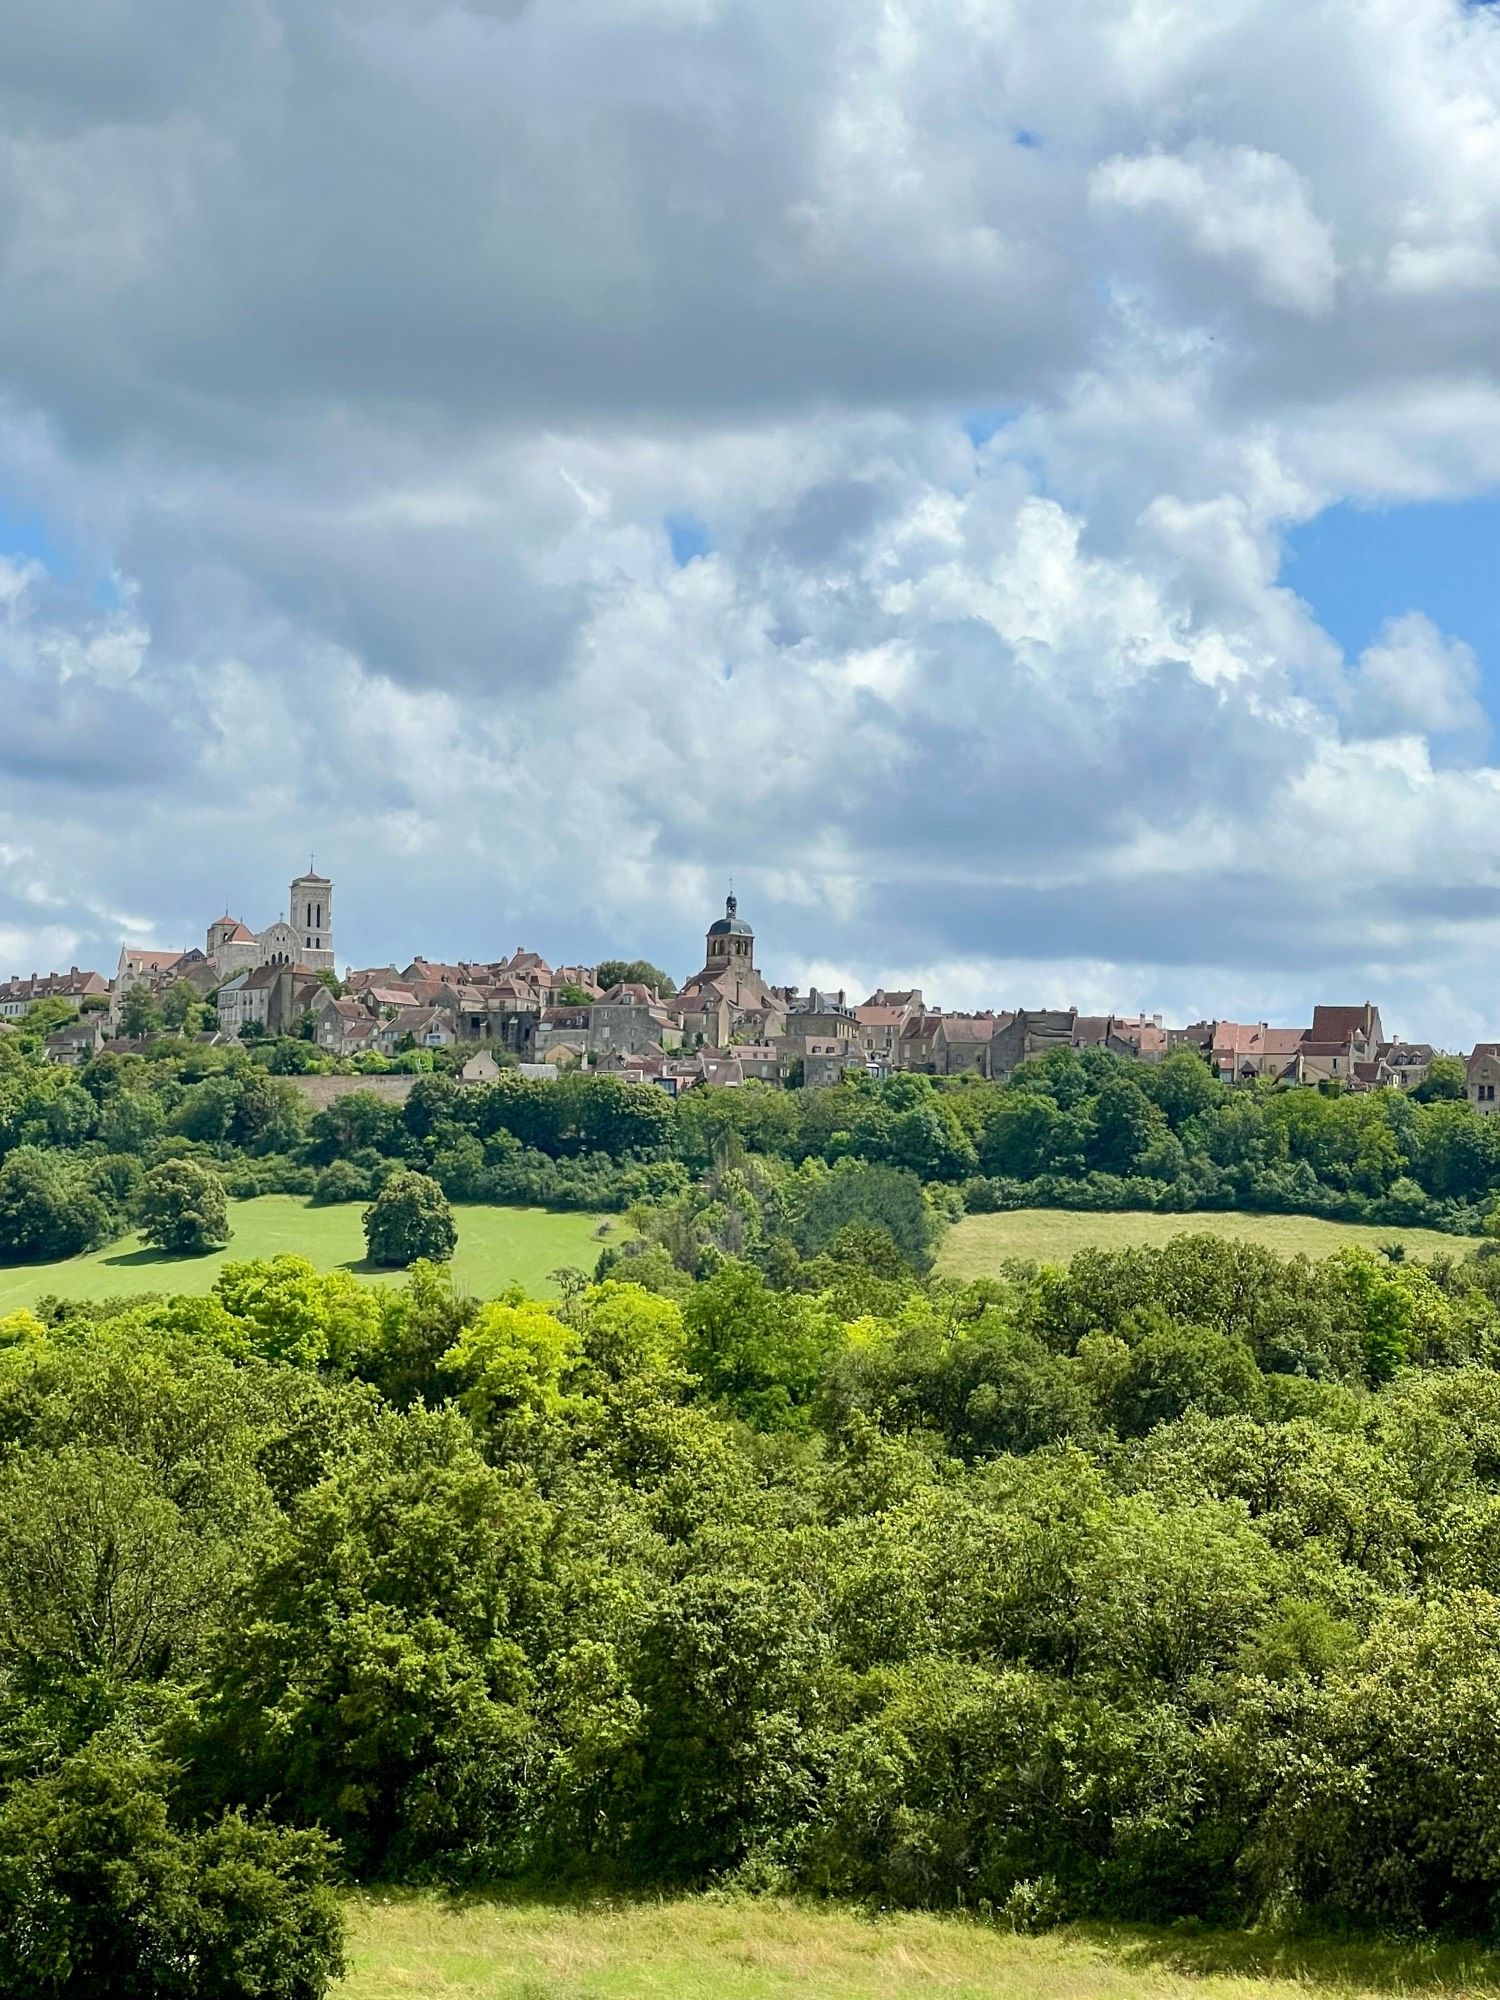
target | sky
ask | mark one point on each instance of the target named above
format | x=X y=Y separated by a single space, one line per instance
x=1015 y=484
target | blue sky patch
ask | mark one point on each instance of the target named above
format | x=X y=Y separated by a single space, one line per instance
x=1357 y=567
x=689 y=538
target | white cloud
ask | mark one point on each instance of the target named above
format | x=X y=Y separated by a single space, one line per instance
x=354 y=363
x=1237 y=207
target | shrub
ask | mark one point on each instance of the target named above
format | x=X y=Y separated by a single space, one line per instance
x=100 y=1893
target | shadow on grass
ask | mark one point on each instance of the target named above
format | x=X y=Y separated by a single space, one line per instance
x=1328 y=1964
x=127 y=1260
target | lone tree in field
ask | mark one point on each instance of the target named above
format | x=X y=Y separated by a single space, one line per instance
x=182 y=1207
x=408 y=1219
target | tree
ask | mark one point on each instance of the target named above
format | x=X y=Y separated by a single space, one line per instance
x=759 y=1352
x=865 y=1193
x=181 y=1009
x=101 y=1893
x=571 y=994
x=1126 y=1123
x=634 y=972
x=408 y=1219
x=46 y=1210
x=1445 y=1080
x=100 y=1571
x=1177 y=1368
x=140 y=1014
x=181 y=1208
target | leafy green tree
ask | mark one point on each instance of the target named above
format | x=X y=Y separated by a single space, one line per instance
x=860 y=1192
x=130 y=1121
x=182 y=1008
x=396 y=1708
x=102 y=1894
x=284 y=1309
x=182 y=1208
x=1173 y=1369
x=1183 y=1086
x=353 y=1124
x=1446 y=1081
x=140 y=1015
x=519 y=1363
x=100 y=1570
x=760 y=1352
x=1019 y=1136
x=634 y=972
x=46 y=1209
x=410 y=1219
x=1126 y=1125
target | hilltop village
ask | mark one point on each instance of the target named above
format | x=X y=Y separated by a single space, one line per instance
x=724 y=1025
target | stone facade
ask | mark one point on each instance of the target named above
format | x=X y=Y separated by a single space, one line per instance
x=304 y=938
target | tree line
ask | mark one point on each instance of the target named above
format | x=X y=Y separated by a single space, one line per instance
x=1073 y=1129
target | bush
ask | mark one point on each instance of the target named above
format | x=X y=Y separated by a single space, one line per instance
x=181 y=1207
x=101 y=1894
x=343 y=1181
x=408 y=1219
x=46 y=1209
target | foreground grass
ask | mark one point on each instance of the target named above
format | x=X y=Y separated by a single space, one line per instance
x=978 y=1245
x=496 y=1247
x=712 y=1948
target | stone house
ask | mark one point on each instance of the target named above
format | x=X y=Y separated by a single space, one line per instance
x=19 y=995
x=1238 y=1051
x=825 y=1062
x=141 y=965
x=74 y=1044
x=1408 y=1062
x=883 y=1019
x=480 y=1068
x=961 y=1043
x=1032 y=1032
x=559 y=1024
x=1482 y=1075
x=427 y=1028
x=630 y=1017
x=273 y=996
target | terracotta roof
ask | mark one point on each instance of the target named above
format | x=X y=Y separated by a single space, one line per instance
x=1337 y=1024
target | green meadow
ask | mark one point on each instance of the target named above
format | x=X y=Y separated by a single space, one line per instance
x=977 y=1246
x=714 y=1948
x=496 y=1247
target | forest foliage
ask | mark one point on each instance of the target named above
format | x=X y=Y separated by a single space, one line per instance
x=1163 y=1586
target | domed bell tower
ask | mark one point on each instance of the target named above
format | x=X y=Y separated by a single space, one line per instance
x=730 y=941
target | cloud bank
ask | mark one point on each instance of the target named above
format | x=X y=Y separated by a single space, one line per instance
x=361 y=359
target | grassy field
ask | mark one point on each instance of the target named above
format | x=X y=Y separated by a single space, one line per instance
x=496 y=1247
x=979 y=1244
x=722 y=1949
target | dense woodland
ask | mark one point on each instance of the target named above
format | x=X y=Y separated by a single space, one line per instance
x=1072 y=1130
x=1167 y=1585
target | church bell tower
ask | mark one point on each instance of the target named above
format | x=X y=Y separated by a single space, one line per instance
x=311 y=917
